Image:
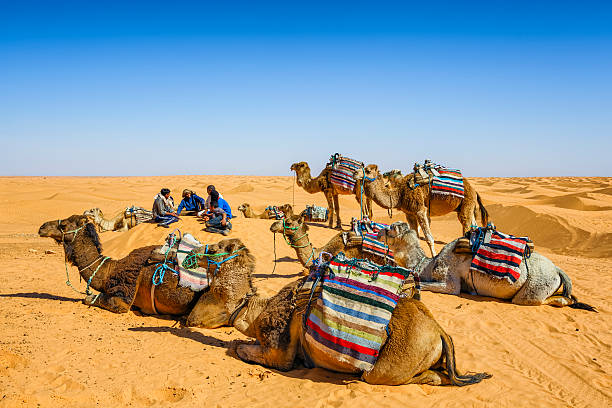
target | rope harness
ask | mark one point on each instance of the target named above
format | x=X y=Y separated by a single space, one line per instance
x=292 y=242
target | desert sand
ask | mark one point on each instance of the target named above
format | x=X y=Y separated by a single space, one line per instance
x=55 y=351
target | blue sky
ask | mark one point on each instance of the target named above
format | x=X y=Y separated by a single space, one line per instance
x=496 y=88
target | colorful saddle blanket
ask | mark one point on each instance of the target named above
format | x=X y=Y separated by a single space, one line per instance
x=498 y=254
x=196 y=278
x=368 y=231
x=443 y=181
x=139 y=214
x=349 y=319
x=315 y=213
x=342 y=172
x=274 y=213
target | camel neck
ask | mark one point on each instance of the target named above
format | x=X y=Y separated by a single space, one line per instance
x=383 y=196
x=305 y=180
x=415 y=260
x=249 y=313
x=88 y=260
x=303 y=247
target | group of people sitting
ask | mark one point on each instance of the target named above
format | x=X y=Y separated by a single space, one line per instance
x=215 y=211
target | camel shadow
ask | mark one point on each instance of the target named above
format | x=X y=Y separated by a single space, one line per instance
x=286 y=259
x=38 y=295
x=276 y=275
x=183 y=332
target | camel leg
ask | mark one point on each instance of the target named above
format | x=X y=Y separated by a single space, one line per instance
x=370 y=209
x=558 y=301
x=424 y=223
x=541 y=284
x=114 y=304
x=413 y=222
x=337 y=207
x=430 y=377
x=209 y=312
x=330 y=204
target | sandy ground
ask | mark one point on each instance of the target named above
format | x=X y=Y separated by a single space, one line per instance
x=55 y=351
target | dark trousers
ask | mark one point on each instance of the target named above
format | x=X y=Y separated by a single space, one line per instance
x=214 y=224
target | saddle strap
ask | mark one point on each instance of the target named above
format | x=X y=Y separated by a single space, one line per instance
x=153 y=299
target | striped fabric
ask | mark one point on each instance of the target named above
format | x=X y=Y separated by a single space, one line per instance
x=342 y=172
x=500 y=257
x=139 y=214
x=274 y=213
x=194 y=279
x=450 y=182
x=369 y=230
x=315 y=213
x=349 y=319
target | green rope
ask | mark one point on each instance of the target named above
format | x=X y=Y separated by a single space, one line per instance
x=191 y=260
x=87 y=291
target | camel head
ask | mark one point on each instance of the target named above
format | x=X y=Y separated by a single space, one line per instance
x=62 y=230
x=301 y=169
x=94 y=213
x=369 y=172
x=289 y=226
x=398 y=235
x=244 y=207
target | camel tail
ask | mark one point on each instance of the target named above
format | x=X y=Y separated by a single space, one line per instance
x=484 y=214
x=448 y=350
x=566 y=282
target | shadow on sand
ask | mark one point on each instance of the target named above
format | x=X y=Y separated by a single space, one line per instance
x=38 y=295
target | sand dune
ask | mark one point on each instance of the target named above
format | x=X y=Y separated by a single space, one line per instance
x=54 y=351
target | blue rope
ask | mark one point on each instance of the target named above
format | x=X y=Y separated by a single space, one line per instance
x=160 y=271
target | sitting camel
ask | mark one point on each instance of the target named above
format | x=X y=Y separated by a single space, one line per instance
x=119 y=222
x=322 y=183
x=449 y=272
x=416 y=203
x=126 y=282
x=295 y=231
x=248 y=212
x=417 y=351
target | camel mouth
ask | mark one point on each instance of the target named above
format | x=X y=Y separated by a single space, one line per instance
x=276 y=227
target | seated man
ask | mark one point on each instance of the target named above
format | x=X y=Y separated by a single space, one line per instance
x=191 y=202
x=163 y=209
x=217 y=221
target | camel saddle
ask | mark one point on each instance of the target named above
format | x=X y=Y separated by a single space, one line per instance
x=342 y=170
x=465 y=245
x=315 y=213
x=347 y=306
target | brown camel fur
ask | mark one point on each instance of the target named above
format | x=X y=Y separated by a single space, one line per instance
x=123 y=283
x=248 y=212
x=416 y=203
x=418 y=350
x=295 y=231
x=322 y=183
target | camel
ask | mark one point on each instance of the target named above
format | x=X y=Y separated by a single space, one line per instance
x=119 y=222
x=248 y=212
x=123 y=283
x=417 y=351
x=322 y=183
x=416 y=203
x=295 y=231
x=449 y=273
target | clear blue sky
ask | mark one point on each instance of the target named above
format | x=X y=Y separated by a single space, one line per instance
x=495 y=88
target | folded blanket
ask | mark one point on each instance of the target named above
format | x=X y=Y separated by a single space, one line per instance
x=500 y=256
x=196 y=279
x=349 y=319
x=342 y=172
x=369 y=230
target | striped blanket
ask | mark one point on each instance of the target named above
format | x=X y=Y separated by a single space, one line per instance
x=369 y=230
x=139 y=214
x=349 y=320
x=342 y=172
x=315 y=213
x=274 y=213
x=194 y=279
x=498 y=254
x=449 y=182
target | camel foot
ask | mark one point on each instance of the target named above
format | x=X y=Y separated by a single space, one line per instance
x=90 y=299
x=338 y=227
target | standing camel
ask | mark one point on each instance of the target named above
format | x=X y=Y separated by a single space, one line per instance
x=322 y=183
x=417 y=351
x=418 y=204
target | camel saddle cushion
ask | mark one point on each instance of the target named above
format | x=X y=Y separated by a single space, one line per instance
x=444 y=182
x=138 y=214
x=315 y=213
x=348 y=319
x=274 y=213
x=498 y=254
x=368 y=230
x=342 y=172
